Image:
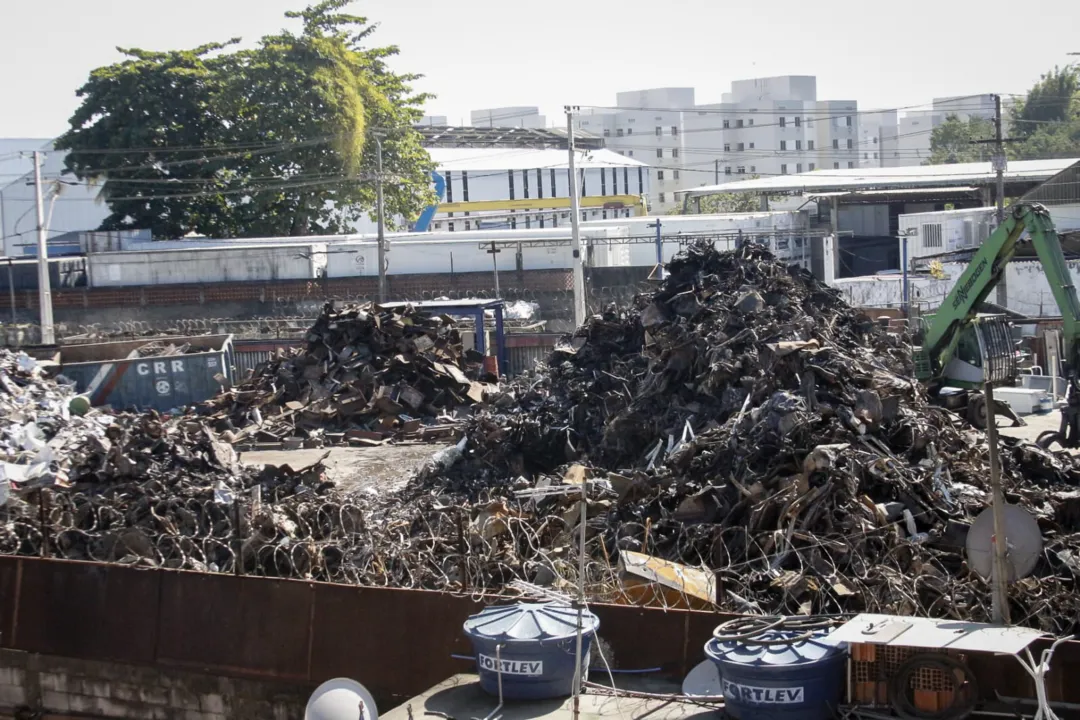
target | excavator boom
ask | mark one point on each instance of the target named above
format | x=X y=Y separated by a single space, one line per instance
x=958 y=313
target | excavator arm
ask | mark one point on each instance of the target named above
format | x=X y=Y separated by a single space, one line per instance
x=983 y=273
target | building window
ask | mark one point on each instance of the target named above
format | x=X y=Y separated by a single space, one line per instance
x=783 y=169
x=809 y=144
x=620 y=152
x=629 y=131
x=727 y=147
x=753 y=169
x=848 y=120
x=659 y=174
x=661 y=197
x=836 y=166
x=739 y=147
x=740 y=170
x=675 y=174
x=630 y=153
x=727 y=124
x=738 y=123
x=798 y=122
x=875 y=141
x=866 y=156
x=674 y=130
x=875 y=156
x=798 y=144
x=674 y=152
x=618 y=132
x=783 y=121
x=751 y=146
x=750 y=122
x=607 y=132
x=659 y=152
x=727 y=170
x=798 y=167
x=849 y=145
x=783 y=144
x=811 y=168
x=835 y=144
x=850 y=164
x=659 y=131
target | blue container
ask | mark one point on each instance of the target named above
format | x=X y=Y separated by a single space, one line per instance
x=538 y=646
x=112 y=374
x=798 y=680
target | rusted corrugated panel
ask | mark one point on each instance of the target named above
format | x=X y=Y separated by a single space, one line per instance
x=86 y=610
x=642 y=637
x=254 y=627
x=396 y=642
x=521 y=359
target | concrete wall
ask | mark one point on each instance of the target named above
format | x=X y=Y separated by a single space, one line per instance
x=237 y=264
x=66 y=687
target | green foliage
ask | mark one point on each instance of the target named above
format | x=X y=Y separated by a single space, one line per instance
x=1052 y=100
x=272 y=140
x=952 y=141
x=1046 y=124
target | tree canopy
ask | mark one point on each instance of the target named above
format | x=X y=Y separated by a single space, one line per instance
x=272 y=140
x=1045 y=124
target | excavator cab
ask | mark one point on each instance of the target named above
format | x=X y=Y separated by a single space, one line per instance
x=984 y=353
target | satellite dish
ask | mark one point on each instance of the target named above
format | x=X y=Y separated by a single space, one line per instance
x=1022 y=536
x=703 y=681
x=341 y=699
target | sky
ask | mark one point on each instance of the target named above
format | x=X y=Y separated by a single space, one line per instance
x=490 y=53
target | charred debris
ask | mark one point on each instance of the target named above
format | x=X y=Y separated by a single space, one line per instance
x=741 y=431
x=366 y=375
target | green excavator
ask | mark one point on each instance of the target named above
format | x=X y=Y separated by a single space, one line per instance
x=961 y=350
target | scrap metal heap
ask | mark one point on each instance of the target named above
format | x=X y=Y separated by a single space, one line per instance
x=366 y=374
x=745 y=422
x=741 y=421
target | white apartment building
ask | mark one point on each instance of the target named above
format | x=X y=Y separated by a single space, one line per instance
x=647 y=126
x=769 y=126
x=764 y=126
x=878 y=138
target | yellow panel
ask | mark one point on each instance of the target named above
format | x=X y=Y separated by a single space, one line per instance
x=591 y=201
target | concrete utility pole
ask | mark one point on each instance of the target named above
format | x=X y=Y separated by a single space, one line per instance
x=575 y=224
x=999 y=565
x=48 y=336
x=383 y=292
x=716 y=171
x=999 y=160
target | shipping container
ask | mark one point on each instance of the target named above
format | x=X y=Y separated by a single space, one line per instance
x=112 y=374
x=935 y=233
x=244 y=263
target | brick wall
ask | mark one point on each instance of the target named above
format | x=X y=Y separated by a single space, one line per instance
x=67 y=688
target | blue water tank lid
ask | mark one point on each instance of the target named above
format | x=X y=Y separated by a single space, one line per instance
x=529 y=621
x=815 y=648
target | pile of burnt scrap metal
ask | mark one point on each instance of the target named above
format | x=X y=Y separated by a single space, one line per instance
x=744 y=426
x=82 y=484
x=367 y=374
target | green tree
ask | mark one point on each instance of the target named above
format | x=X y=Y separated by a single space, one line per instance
x=272 y=140
x=953 y=140
x=1053 y=99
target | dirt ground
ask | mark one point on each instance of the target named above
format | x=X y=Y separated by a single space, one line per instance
x=386 y=467
x=1036 y=424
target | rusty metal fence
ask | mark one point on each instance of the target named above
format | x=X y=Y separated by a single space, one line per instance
x=397 y=642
